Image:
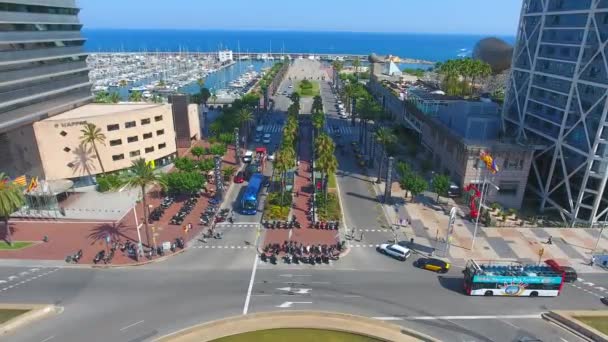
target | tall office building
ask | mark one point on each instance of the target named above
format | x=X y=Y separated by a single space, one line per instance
x=43 y=72
x=557 y=101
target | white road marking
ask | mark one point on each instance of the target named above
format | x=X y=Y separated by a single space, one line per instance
x=295 y=275
x=48 y=339
x=433 y=318
x=388 y=318
x=23 y=273
x=589 y=284
x=12 y=278
x=131 y=325
x=248 y=297
x=3 y=281
x=295 y=290
x=352 y=296
x=580 y=279
x=289 y=304
x=600 y=288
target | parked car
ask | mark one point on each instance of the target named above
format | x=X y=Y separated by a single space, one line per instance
x=271 y=157
x=258 y=138
x=266 y=139
x=395 y=251
x=433 y=264
x=239 y=178
x=248 y=157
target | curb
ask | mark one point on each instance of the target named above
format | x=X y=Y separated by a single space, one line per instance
x=324 y=320
x=37 y=312
x=565 y=320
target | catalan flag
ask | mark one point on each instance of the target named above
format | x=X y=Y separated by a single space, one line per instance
x=33 y=184
x=21 y=180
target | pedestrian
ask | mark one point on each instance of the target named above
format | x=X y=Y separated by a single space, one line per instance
x=550 y=240
x=592 y=261
x=361 y=237
x=189 y=226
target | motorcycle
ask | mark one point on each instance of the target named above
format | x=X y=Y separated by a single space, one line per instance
x=99 y=257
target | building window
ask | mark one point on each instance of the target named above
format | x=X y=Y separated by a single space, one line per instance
x=129 y=124
x=63 y=133
x=67 y=149
x=149 y=149
x=134 y=153
x=113 y=127
x=145 y=121
x=147 y=135
x=133 y=139
x=161 y=146
x=118 y=157
x=508 y=188
x=158 y=118
x=160 y=132
x=116 y=142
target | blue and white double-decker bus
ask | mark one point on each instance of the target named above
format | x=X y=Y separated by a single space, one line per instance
x=512 y=279
x=249 y=201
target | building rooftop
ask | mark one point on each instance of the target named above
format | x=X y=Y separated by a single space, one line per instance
x=102 y=109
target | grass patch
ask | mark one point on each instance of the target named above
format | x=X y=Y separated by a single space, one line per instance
x=277 y=206
x=599 y=323
x=331 y=183
x=307 y=88
x=329 y=211
x=296 y=335
x=14 y=245
x=7 y=314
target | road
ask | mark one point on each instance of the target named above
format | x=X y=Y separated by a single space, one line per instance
x=211 y=280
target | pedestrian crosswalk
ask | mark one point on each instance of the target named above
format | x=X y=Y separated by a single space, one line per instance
x=343 y=128
x=237 y=225
x=223 y=247
x=272 y=128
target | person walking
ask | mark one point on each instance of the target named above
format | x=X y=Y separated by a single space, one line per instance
x=361 y=237
x=592 y=261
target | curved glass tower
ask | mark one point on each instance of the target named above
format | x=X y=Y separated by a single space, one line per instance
x=557 y=101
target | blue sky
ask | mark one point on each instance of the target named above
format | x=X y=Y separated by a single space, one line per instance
x=428 y=16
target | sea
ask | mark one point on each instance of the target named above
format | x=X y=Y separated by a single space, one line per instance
x=430 y=47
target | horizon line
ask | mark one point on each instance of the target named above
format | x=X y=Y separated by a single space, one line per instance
x=296 y=30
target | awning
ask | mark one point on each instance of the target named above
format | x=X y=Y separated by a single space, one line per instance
x=260 y=150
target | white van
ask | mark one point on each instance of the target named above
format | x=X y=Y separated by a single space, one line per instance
x=248 y=157
x=259 y=129
x=395 y=251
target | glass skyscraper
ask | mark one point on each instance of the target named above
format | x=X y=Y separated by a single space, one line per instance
x=557 y=101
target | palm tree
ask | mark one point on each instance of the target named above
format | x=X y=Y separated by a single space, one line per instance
x=356 y=65
x=114 y=97
x=93 y=135
x=328 y=164
x=384 y=137
x=11 y=199
x=244 y=118
x=280 y=165
x=317 y=104
x=141 y=176
x=135 y=96
x=213 y=97
x=318 y=120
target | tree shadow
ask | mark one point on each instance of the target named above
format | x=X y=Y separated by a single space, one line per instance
x=362 y=196
x=84 y=160
x=113 y=230
x=3 y=230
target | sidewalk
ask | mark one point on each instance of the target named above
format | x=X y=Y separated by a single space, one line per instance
x=67 y=237
x=428 y=227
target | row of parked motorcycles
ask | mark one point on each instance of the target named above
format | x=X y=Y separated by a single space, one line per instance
x=158 y=212
x=328 y=225
x=294 y=253
x=186 y=209
x=293 y=223
x=213 y=214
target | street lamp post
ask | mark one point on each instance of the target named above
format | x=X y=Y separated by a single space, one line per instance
x=140 y=246
x=597 y=243
x=481 y=205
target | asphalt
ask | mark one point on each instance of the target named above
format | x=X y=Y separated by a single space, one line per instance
x=211 y=280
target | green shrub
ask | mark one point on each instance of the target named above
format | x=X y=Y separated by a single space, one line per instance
x=512 y=211
x=108 y=182
x=495 y=206
x=206 y=165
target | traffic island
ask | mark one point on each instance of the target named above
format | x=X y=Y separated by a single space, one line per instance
x=16 y=316
x=266 y=322
x=588 y=324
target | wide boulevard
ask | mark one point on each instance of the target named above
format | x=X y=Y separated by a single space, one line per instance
x=220 y=278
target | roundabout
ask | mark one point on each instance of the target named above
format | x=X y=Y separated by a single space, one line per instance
x=296 y=326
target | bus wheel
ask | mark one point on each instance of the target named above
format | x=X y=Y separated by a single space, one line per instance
x=534 y=294
x=488 y=293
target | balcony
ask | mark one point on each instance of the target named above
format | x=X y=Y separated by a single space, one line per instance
x=13 y=97
x=37 y=18
x=27 y=36
x=41 y=72
x=40 y=54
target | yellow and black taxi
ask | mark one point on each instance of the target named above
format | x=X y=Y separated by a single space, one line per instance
x=433 y=264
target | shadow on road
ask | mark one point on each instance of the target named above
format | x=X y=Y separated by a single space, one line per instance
x=452 y=283
x=362 y=197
